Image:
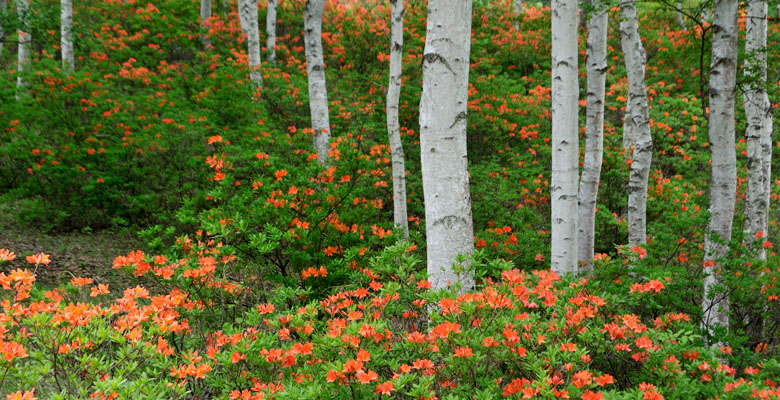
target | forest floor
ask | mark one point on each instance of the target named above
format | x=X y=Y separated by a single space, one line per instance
x=73 y=254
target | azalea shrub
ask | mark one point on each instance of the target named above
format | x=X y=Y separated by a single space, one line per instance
x=386 y=333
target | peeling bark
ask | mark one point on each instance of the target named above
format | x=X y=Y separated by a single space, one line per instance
x=270 y=31
x=400 y=217
x=248 y=10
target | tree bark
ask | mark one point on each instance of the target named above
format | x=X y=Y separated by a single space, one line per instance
x=680 y=19
x=443 y=122
x=315 y=67
x=23 y=54
x=758 y=115
x=393 y=124
x=596 y=53
x=205 y=14
x=517 y=8
x=3 y=9
x=565 y=140
x=639 y=121
x=270 y=31
x=248 y=10
x=723 y=185
x=66 y=34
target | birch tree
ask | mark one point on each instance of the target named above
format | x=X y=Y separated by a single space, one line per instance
x=639 y=123
x=66 y=34
x=23 y=53
x=3 y=9
x=565 y=140
x=315 y=67
x=248 y=11
x=517 y=8
x=270 y=31
x=205 y=14
x=443 y=115
x=393 y=125
x=758 y=135
x=596 y=55
x=723 y=184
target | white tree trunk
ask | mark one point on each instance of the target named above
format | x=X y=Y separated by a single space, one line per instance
x=565 y=137
x=3 y=9
x=443 y=115
x=758 y=115
x=66 y=34
x=628 y=130
x=23 y=54
x=723 y=186
x=680 y=19
x=639 y=121
x=242 y=18
x=248 y=10
x=393 y=125
x=270 y=31
x=315 y=67
x=205 y=14
x=518 y=10
x=596 y=54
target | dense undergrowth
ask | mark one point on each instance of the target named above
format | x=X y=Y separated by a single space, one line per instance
x=278 y=277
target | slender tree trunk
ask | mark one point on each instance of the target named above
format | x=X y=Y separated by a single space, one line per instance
x=723 y=186
x=565 y=137
x=628 y=130
x=66 y=34
x=248 y=10
x=680 y=19
x=270 y=31
x=639 y=120
x=758 y=113
x=315 y=66
x=3 y=9
x=596 y=54
x=517 y=8
x=225 y=7
x=23 y=54
x=393 y=125
x=242 y=18
x=443 y=121
x=205 y=14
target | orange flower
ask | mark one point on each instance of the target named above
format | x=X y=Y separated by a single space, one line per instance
x=100 y=289
x=21 y=395
x=366 y=377
x=7 y=255
x=465 y=352
x=79 y=281
x=385 y=388
x=39 y=258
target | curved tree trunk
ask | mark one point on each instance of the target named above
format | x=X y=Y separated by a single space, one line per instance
x=66 y=34
x=443 y=115
x=205 y=14
x=565 y=140
x=639 y=121
x=393 y=125
x=315 y=66
x=248 y=11
x=23 y=54
x=596 y=54
x=270 y=31
x=723 y=186
x=758 y=113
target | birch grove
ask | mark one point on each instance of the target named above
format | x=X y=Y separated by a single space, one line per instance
x=270 y=31
x=23 y=53
x=758 y=135
x=443 y=121
x=638 y=119
x=565 y=140
x=315 y=67
x=596 y=56
x=66 y=34
x=248 y=11
x=723 y=185
x=393 y=124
